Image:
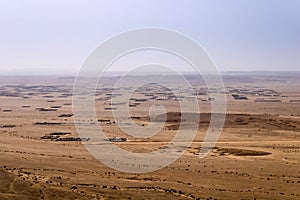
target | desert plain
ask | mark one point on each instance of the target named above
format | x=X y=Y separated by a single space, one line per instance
x=256 y=157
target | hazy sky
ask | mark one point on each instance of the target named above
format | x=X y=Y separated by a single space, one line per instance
x=56 y=36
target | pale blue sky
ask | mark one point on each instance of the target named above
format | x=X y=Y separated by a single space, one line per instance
x=56 y=36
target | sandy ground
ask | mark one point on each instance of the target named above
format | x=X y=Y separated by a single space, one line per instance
x=256 y=157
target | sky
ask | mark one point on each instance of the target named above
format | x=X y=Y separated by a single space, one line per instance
x=55 y=37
